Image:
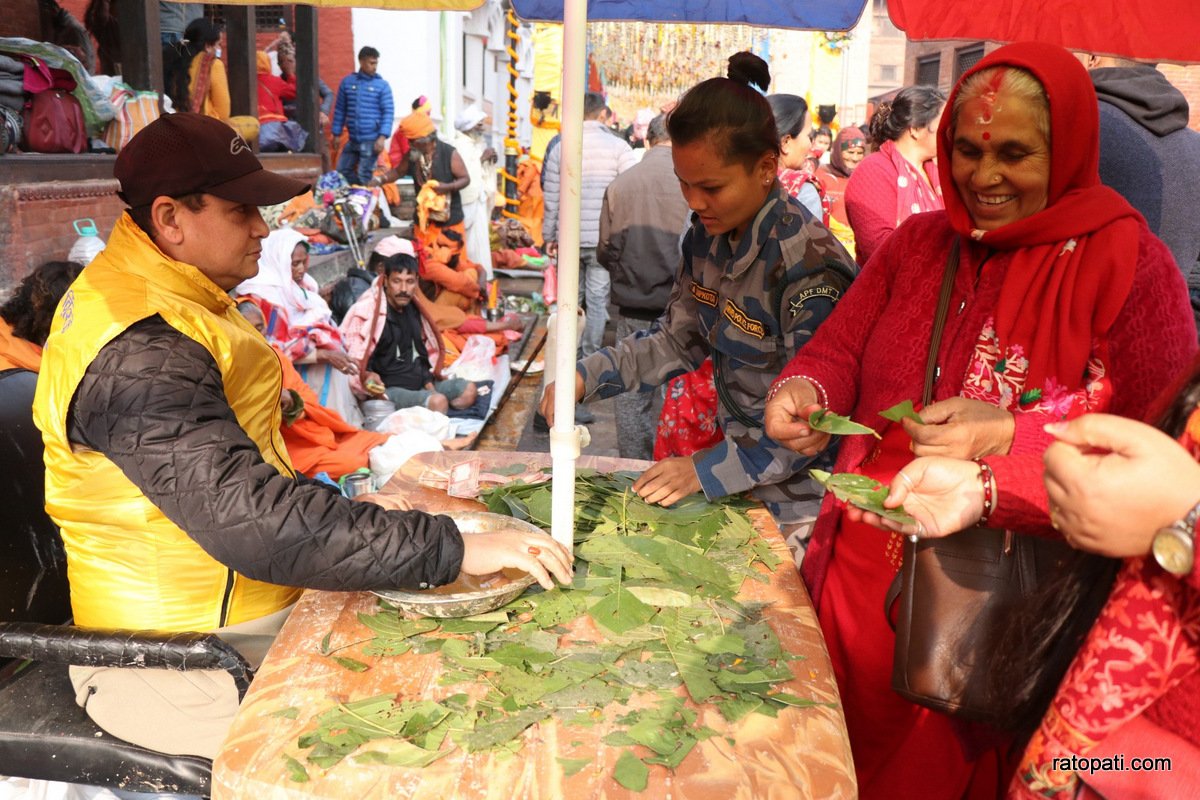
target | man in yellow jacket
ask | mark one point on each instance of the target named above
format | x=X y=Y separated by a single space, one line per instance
x=165 y=469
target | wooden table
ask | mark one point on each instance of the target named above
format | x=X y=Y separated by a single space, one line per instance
x=804 y=752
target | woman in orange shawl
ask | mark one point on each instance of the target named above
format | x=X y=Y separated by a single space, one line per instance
x=318 y=439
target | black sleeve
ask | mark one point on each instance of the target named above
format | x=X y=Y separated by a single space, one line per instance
x=153 y=403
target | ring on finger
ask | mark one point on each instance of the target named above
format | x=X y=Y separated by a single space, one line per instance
x=534 y=550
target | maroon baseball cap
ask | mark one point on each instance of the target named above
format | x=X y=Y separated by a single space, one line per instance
x=180 y=154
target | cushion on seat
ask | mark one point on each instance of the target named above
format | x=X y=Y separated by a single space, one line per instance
x=44 y=734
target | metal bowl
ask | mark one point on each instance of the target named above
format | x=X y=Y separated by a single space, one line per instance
x=465 y=597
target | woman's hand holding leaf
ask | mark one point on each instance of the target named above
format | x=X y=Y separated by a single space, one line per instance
x=943 y=494
x=961 y=428
x=786 y=418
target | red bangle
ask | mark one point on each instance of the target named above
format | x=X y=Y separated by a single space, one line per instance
x=988 y=480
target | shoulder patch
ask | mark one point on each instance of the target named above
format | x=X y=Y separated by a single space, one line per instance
x=743 y=321
x=704 y=295
x=799 y=300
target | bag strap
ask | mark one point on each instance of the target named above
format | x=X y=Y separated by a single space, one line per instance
x=939 y=322
x=931 y=370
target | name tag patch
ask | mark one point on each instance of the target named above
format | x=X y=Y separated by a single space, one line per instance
x=799 y=300
x=704 y=295
x=742 y=321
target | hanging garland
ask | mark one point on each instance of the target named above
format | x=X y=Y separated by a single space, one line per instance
x=647 y=65
x=835 y=42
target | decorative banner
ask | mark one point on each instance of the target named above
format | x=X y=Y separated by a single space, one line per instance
x=648 y=65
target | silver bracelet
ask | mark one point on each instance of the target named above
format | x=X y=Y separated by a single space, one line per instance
x=822 y=395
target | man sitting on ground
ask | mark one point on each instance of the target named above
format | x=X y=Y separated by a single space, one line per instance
x=399 y=345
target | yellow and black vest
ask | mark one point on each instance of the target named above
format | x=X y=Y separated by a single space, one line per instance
x=128 y=565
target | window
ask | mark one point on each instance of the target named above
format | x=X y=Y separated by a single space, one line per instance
x=928 y=70
x=266 y=18
x=966 y=58
x=887 y=73
x=473 y=65
x=881 y=23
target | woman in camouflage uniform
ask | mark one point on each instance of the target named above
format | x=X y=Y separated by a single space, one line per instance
x=755 y=280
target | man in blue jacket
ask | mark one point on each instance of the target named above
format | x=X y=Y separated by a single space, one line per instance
x=364 y=109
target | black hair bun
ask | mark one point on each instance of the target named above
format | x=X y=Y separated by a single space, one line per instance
x=747 y=68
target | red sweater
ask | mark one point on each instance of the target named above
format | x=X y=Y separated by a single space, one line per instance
x=871 y=202
x=871 y=353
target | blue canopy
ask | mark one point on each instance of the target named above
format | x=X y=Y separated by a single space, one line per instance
x=826 y=15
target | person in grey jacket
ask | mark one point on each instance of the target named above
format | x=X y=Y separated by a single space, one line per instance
x=605 y=156
x=1150 y=156
x=643 y=216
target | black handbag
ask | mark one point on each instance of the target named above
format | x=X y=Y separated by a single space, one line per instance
x=954 y=593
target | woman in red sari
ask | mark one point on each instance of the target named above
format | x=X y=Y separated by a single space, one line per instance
x=1063 y=303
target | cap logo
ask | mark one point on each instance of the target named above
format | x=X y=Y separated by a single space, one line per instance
x=238 y=145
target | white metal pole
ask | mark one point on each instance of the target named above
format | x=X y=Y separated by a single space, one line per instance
x=564 y=438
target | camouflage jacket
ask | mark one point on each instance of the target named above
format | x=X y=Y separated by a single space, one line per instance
x=751 y=305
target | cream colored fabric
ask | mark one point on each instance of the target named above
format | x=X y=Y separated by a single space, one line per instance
x=180 y=713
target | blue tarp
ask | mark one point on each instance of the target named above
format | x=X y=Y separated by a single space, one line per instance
x=826 y=15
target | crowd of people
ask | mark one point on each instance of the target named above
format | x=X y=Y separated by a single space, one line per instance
x=975 y=253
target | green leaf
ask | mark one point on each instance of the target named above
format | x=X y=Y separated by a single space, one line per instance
x=862 y=492
x=726 y=643
x=557 y=607
x=325 y=643
x=631 y=773
x=352 y=664
x=693 y=669
x=401 y=754
x=390 y=624
x=826 y=421
x=621 y=612
x=797 y=702
x=503 y=730
x=572 y=765
x=692 y=568
x=651 y=733
x=296 y=771
x=661 y=596
x=511 y=469
x=902 y=410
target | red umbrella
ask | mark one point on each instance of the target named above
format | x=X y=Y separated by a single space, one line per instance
x=1156 y=30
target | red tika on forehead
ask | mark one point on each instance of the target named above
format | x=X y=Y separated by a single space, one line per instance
x=988 y=96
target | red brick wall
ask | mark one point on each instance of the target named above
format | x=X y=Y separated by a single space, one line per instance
x=35 y=221
x=1187 y=80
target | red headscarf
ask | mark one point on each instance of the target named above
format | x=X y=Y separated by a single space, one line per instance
x=1073 y=261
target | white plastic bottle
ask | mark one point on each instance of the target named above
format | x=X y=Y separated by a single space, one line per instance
x=88 y=245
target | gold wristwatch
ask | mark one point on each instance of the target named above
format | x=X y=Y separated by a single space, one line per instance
x=1174 y=546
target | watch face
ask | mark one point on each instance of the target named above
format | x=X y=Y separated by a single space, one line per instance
x=1173 y=550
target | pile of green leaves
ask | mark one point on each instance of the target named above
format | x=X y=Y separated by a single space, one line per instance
x=660 y=584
